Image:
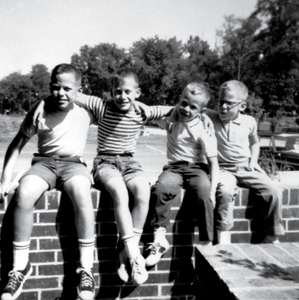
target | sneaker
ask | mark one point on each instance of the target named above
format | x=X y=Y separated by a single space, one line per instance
x=139 y=273
x=15 y=283
x=124 y=265
x=157 y=250
x=86 y=287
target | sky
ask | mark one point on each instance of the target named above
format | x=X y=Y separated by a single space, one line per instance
x=49 y=32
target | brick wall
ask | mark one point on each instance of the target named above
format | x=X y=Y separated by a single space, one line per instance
x=54 y=249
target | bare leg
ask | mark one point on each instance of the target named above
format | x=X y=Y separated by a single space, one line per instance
x=78 y=189
x=31 y=188
x=140 y=188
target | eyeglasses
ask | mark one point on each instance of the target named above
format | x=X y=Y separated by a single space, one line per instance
x=229 y=104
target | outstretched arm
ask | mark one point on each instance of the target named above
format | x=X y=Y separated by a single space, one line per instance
x=214 y=173
x=11 y=156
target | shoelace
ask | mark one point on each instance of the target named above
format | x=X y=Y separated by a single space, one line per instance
x=15 y=277
x=153 y=247
x=136 y=268
x=86 y=277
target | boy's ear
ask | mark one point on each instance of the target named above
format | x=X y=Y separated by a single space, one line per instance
x=203 y=110
x=80 y=89
x=243 y=106
x=138 y=92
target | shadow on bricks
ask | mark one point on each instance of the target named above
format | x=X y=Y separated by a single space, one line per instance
x=255 y=212
x=6 y=242
x=68 y=238
x=108 y=248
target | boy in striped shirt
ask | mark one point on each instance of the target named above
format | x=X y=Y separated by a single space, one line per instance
x=115 y=168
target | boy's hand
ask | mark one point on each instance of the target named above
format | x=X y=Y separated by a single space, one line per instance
x=207 y=124
x=141 y=107
x=213 y=199
x=3 y=191
x=257 y=167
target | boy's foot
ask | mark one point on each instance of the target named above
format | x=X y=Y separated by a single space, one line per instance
x=86 y=287
x=157 y=250
x=15 y=283
x=124 y=263
x=271 y=239
x=139 y=273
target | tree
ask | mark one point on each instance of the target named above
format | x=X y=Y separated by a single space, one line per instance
x=16 y=92
x=97 y=64
x=40 y=78
x=280 y=39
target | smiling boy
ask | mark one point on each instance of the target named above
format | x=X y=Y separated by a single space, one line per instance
x=192 y=158
x=62 y=132
x=116 y=170
x=238 y=151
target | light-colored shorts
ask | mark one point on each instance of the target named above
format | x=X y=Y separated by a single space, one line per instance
x=107 y=166
x=57 y=170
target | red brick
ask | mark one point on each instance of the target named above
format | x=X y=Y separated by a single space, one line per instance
x=42 y=282
x=49 y=243
x=40 y=256
x=53 y=198
x=241 y=226
x=241 y=237
x=158 y=278
x=293 y=225
x=54 y=294
x=285 y=197
x=294 y=197
x=140 y=291
x=289 y=237
x=183 y=290
x=50 y=270
x=290 y=212
x=47 y=230
x=244 y=197
x=41 y=203
x=238 y=198
x=28 y=295
x=47 y=217
x=175 y=265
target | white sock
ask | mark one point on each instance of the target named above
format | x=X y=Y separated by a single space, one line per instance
x=86 y=247
x=159 y=234
x=129 y=241
x=138 y=234
x=20 y=255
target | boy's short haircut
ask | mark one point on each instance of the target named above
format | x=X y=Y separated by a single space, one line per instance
x=119 y=77
x=236 y=85
x=196 y=87
x=66 y=68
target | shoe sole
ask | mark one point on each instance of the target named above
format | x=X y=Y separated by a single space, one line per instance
x=92 y=298
x=17 y=294
x=152 y=265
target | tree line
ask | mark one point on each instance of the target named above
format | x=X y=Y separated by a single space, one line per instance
x=262 y=51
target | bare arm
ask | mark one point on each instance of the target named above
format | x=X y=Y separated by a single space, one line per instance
x=11 y=156
x=214 y=173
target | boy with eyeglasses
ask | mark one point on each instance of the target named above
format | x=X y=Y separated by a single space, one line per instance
x=238 y=151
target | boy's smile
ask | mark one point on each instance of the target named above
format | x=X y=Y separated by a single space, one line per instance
x=64 y=90
x=191 y=105
x=125 y=93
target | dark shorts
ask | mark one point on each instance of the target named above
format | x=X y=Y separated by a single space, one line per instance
x=107 y=166
x=57 y=170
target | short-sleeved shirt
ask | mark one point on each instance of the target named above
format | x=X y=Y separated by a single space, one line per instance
x=61 y=133
x=118 y=131
x=234 y=138
x=188 y=141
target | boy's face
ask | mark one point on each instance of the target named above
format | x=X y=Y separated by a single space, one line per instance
x=190 y=106
x=230 y=105
x=125 y=94
x=64 y=90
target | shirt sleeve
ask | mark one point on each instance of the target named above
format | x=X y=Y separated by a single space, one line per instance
x=97 y=106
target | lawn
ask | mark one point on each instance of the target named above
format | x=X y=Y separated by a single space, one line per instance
x=10 y=124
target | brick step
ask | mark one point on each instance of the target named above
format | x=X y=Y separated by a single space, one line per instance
x=248 y=272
